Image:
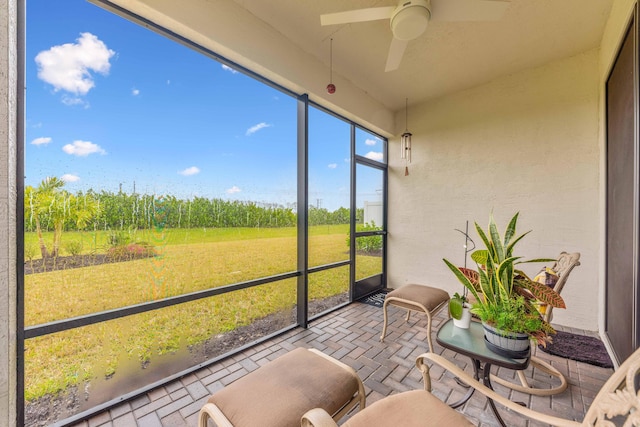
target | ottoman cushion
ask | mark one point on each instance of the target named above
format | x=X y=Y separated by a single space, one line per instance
x=427 y=296
x=280 y=392
x=417 y=408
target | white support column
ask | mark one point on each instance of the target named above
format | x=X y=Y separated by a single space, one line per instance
x=9 y=57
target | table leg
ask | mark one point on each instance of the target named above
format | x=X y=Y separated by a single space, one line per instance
x=486 y=379
x=466 y=397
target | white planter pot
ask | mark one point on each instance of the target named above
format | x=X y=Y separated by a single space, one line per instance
x=465 y=320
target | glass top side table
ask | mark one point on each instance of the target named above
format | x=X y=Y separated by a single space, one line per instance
x=470 y=342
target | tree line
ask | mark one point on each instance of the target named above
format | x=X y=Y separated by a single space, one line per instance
x=49 y=207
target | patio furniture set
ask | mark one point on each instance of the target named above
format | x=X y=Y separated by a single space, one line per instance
x=308 y=388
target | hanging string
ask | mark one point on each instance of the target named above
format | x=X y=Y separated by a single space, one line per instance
x=331 y=88
x=406 y=114
x=331 y=60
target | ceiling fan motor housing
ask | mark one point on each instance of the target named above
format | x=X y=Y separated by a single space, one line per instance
x=409 y=20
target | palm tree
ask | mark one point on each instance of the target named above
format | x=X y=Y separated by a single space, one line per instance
x=42 y=202
x=49 y=201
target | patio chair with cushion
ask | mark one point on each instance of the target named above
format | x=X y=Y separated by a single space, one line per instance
x=558 y=273
x=562 y=267
x=280 y=392
x=617 y=400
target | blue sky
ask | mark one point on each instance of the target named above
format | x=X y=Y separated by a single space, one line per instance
x=110 y=105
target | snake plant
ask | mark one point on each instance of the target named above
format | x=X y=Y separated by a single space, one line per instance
x=504 y=294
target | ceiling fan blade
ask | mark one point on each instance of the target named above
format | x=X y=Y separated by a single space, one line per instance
x=358 y=15
x=396 y=51
x=468 y=10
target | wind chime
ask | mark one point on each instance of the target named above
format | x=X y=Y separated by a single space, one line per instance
x=405 y=140
x=331 y=88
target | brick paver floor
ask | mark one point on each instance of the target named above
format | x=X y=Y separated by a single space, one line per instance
x=351 y=335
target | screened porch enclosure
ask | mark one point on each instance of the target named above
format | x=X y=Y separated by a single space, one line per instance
x=273 y=211
x=133 y=275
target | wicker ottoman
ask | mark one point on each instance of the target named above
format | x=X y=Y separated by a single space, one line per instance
x=420 y=298
x=279 y=393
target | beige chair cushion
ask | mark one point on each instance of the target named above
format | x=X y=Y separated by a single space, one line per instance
x=425 y=295
x=280 y=392
x=417 y=408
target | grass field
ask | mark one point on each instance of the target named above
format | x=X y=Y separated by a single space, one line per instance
x=187 y=261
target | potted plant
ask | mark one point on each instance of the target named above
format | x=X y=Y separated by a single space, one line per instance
x=459 y=309
x=504 y=295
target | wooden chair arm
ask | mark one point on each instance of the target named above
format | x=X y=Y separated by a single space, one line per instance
x=468 y=379
x=209 y=410
x=317 y=417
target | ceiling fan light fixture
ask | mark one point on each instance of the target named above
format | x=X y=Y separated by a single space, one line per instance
x=410 y=19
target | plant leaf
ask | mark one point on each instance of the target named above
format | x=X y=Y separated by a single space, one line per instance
x=511 y=230
x=495 y=240
x=517 y=239
x=455 y=308
x=542 y=292
x=505 y=273
x=483 y=237
x=480 y=256
x=487 y=286
x=472 y=275
x=537 y=260
x=462 y=278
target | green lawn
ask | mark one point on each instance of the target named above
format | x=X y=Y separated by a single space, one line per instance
x=189 y=260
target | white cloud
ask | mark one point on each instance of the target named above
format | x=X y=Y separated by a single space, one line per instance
x=74 y=100
x=233 y=190
x=193 y=170
x=43 y=140
x=68 y=67
x=168 y=82
x=82 y=148
x=256 y=128
x=374 y=155
x=332 y=165
x=227 y=68
x=67 y=177
x=370 y=141
x=135 y=92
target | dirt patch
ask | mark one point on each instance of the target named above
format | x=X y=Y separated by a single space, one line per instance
x=44 y=265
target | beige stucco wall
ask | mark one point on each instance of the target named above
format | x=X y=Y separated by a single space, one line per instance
x=8 y=288
x=528 y=142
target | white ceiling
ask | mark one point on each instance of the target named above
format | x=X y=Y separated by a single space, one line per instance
x=449 y=56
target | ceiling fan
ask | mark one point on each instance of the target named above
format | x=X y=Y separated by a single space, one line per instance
x=409 y=19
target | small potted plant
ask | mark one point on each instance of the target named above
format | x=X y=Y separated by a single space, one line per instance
x=504 y=295
x=459 y=309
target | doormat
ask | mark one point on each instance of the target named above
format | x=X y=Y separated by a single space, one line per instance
x=376 y=299
x=581 y=348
